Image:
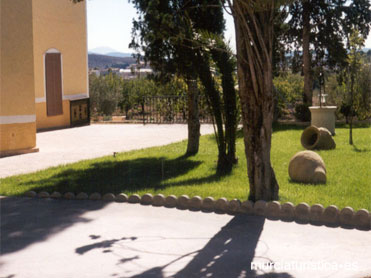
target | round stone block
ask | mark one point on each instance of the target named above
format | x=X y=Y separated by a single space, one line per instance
x=331 y=216
x=316 y=212
x=273 y=210
x=158 y=200
x=195 y=203
x=56 y=195
x=69 y=196
x=208 y=204
x=307 y=167
x=146 y=199
x=31 y=194
x=234 y=206
x=221 y=205
x=362 y=219
x=108 y=197
x=43 y=194
x=121 y=198
x=183 y=202
x=82 y=196
x=259 y=207
x=287 y=212
x=171 y=201
x=247 y=207
x=302 y=213
x=95 y=196
x=134 y=199
x=346 y=216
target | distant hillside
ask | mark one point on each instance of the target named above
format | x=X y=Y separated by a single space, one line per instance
x=104 y=61
x=118 y=54
x=102 y=50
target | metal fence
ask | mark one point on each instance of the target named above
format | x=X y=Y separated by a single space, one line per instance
x=172 y=109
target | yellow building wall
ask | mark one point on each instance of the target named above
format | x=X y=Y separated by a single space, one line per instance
x=60 y=25
x=45 y=122
x=15 y=137
x=17 y=88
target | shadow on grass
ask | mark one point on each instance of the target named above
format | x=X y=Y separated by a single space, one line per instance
x=284 y=127
x=290 y=181
x=276 y=127
x=362 y=150
x=118 y=176
x=355 y=125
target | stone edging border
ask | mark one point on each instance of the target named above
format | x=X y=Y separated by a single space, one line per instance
x=302 y=213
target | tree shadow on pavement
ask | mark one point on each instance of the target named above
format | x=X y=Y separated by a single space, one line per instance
x=228 y=254
x=26 y=221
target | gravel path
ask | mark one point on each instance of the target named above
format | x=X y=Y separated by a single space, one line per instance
x=74 y=144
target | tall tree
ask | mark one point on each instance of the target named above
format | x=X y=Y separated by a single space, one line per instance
x=319 y=27
x=154 y=34
x=170 y=33
x=254 y=25
x=355 y=44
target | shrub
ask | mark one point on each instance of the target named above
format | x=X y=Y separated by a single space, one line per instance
x=302 y=112
x=288 y=91
x=104 y=93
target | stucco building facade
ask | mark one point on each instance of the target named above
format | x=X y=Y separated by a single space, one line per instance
x=43 y=68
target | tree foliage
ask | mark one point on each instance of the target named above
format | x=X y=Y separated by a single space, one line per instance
x=184 y=37
x=110 y=92
x=105 y=93
x=319 y=27
x=288 y=92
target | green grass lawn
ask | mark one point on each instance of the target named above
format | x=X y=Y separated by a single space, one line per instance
x=164 y=170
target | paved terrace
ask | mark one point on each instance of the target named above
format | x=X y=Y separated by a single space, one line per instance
x=74 y=144
x=60 y=238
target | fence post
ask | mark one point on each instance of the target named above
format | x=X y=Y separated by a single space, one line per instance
x=143 y=112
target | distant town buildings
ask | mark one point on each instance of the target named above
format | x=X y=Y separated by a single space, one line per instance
x=131 y=72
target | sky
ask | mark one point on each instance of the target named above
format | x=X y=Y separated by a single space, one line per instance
x=110 y=24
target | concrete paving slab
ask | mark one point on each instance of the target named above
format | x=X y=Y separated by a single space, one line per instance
x=61 y=238
x=74 y=144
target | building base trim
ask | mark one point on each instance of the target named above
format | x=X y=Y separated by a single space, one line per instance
x=18 y=152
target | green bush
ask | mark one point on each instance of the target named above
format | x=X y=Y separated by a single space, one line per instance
x=105 y=93
x=288 y=91
x=338 y=90
x=107 y=118
x=302 y=112
x=289 y=87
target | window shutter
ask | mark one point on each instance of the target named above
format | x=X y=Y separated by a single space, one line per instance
x=53 y=76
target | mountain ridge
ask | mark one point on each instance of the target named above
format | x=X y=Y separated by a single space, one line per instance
x=105 y=61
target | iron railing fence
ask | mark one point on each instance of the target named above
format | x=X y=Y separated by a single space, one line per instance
x=172 y=109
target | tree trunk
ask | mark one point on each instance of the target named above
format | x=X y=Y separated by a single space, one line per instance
x=254 y=40
x=213 y=96
x=193 y=118
x=308 y=80
x=226 y=66
x=351 y=109
x=230 y=105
